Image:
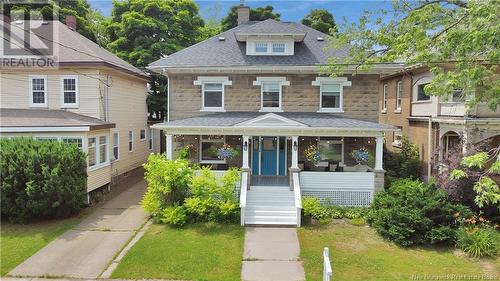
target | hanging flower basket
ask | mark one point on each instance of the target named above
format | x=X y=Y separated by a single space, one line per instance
x=361 y=156
x=226 y=152
x=312 y=155
x=187 y=151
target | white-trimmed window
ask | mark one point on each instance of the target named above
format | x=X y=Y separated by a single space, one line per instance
x=142 y=134
x=38 y=91
x=69 y=91
x=421 y=95
x=261 y=47
x=279 y=47
x=331 y=93
x=212 y=92
x=71 y=140
x=271 y=92
x=150 y=140
x=331 y=149
x=130 y=141
x=116 y=146
x=97 y=151
x=399 y=92
x=209 y=148
x=46 y=138
x=397 y=140
x=384 y=101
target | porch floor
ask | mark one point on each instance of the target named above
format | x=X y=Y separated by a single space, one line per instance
x=269 y=181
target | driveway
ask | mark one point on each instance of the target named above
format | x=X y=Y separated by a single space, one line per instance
x=86 y=250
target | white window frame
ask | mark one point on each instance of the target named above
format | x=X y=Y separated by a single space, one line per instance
x=341 y=142
x=46 y=96
x=77 y=96
x=140 y=134
x=341 y=81
x=384 y=100
x=399 y=101
x=262 y=80
x=261 y=44
x=97 y=152
x=278 y=43
x=202 y=80
x=80 y=138
x=223 y=161
x=113 y=133
x=251 y=47
x=150 y=138
x=396 y=142
x=130 y=141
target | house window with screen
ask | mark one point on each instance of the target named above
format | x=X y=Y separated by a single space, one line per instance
x=421 y=95
x=209 y=149
x=92 y=152
x=38 y=91
x=213 y=96
x=69 y=91
x=331 y=97
x=271 y=95
x=399 y=92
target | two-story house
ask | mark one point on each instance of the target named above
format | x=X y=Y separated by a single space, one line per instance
x=435 y=124
x=258 y=88
x=91 y=98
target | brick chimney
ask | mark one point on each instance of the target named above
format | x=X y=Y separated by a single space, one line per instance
x=71 y=22
x=243 y=14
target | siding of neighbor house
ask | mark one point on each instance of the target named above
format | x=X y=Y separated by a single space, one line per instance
x=127 y=109
x=360 y=99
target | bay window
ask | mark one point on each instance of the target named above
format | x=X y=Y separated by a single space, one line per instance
x=97 y=149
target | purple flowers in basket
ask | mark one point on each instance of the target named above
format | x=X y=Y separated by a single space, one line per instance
x=226 y=152
x=361 y=155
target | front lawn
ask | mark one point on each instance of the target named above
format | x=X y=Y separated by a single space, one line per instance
x=358 y=253
x=201 y=251
x=18 y=242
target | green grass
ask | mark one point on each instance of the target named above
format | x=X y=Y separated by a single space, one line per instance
x=18 y=242
x=195 y=252
x=359 y=253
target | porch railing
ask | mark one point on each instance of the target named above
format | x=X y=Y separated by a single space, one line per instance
x=243 y=196
x=327 y=266
x=297 y=196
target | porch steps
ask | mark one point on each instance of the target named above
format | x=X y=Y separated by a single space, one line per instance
x=270 y=205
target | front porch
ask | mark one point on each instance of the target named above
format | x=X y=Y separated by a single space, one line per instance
x=274 y=153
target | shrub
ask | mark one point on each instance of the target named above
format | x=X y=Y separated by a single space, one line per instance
x=358 y=221
x=41 y=179
x=412 y=213
x=168 y=182
x=175 y=215
x=478 y=241
x=311 y=207
x=403 y=164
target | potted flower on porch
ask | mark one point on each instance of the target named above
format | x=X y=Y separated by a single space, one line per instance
x=312 y=155
x=362 y=157
x=226 y=152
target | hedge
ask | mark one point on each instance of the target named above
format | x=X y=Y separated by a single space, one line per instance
x=41 y=179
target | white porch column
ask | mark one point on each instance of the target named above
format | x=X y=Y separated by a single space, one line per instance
x=169 y=140
x=295 y=152
x=246 y=147
x=379 y=153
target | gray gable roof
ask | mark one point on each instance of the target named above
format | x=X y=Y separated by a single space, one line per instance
x=72 y=47
x=231 y=53
x=310 y=119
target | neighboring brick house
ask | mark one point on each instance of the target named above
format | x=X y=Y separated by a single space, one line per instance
x=92 y=98
x=258 y=88
x=434 y=124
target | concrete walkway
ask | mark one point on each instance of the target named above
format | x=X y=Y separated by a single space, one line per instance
x=86 y=250
x=271 y=254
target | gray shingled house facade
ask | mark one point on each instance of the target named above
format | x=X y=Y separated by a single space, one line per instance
x=259 y=89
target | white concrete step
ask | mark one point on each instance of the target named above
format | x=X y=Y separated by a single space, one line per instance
x=270 y=205
x=271 y=220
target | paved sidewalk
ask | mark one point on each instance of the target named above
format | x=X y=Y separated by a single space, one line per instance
x=86 y=250
x=271 y=254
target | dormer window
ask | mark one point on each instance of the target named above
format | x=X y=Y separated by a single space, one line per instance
x=261 y=47
x=278 y=47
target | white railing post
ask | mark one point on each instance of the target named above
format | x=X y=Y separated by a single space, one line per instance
x=297 y=196
x=379 y=153
x=327 y=267
x=169 y=139
x=243 y=196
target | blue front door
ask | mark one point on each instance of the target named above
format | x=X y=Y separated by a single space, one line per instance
x=269 y=156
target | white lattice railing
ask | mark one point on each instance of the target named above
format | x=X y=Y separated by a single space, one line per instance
x=327 y=266
x=243 y=196
x=354 y=189
x=297 y=196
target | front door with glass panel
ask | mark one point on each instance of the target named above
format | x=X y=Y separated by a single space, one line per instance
x=269 y=156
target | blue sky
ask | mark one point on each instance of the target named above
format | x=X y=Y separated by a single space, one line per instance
x=290 y=10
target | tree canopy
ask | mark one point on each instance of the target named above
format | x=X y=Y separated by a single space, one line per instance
x=458 y=40
x=256 y=14
x=321 y=20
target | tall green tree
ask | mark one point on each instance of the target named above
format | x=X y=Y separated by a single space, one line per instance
x=59 y=10
x=256 y=14
x=142 y=31
x=459 y=40
x=321 y=20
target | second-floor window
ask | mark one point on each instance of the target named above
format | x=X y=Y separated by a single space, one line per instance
x=421 y=95
x=38 y=91
x=213 y=96
x=399 y=92
x=142 y=134
x=331 y=98
x=278 y=47
x=261 y=47
x=384 y=102
x=69 y=91
x=271 y=95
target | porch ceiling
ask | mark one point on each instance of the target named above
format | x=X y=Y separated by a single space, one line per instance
x=275 y=124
